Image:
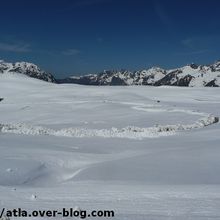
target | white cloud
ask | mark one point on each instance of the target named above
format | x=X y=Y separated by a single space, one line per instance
x=162 y=13
x=189 y=42
x=100 y=39
x=71 y=52
x=15 y=47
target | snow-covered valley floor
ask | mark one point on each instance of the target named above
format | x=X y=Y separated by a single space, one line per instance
x=144 y=152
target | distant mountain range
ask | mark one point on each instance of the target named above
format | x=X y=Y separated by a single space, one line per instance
x=190 y=75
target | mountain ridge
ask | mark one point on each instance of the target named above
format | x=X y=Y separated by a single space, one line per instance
x=26 y=68
x=191 y=75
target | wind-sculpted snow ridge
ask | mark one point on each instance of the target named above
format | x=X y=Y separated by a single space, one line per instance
x=130 y=132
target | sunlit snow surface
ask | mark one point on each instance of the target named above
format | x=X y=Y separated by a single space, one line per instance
x=145 y=152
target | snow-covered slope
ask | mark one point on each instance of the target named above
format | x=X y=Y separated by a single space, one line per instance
x=25 y=68
x=144 y=152
x=191 y=75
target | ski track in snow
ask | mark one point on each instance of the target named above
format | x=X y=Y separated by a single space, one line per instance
x=130 y=132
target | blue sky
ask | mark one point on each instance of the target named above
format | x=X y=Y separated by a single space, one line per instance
x=68 y=37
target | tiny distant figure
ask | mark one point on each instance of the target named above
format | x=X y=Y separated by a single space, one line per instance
x=1 y=99
x=158 y=101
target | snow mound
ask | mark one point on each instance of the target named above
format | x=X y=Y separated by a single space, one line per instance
x=130 y=132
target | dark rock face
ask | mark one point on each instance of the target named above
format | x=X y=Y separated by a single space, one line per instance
x=168 y=79
x=194 y=66
x=184 y=81
x=41 y=75
x=172 y=79
x=212 y=84
x=117 y=81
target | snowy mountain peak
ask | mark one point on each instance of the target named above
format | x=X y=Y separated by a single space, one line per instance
x=216 y=66
x=25 y=68
x=155 y=68
x=189 y=75
x=192 y=75
x=194 y=66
